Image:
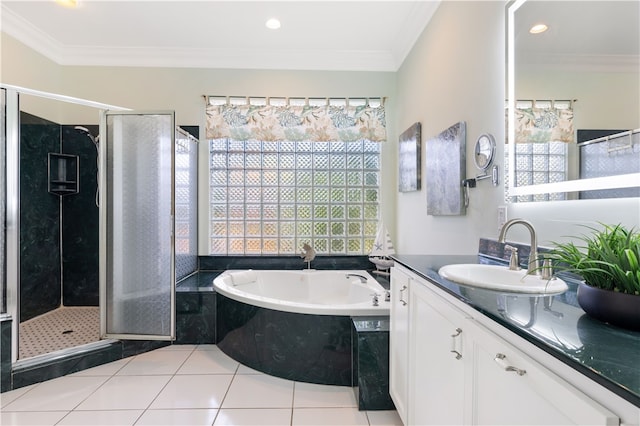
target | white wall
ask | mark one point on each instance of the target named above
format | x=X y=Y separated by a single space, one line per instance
x=182 y=90
x=455 y=72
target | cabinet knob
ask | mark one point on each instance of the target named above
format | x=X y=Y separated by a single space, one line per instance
x=500 y=359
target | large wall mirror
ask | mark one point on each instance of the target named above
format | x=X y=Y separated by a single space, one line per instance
x=573 y=100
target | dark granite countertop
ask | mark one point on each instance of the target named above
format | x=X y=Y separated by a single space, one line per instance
x=609 y=355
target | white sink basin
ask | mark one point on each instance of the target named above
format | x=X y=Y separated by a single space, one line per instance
x=494 y=277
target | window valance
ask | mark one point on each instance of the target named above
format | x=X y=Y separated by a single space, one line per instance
x=280 y=119
x=544 y=121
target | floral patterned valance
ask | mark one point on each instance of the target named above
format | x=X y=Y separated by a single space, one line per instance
x=550 y=122
x=296 y=122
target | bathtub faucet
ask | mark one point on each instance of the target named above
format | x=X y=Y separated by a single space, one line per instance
x=363 y=279
x=308 y=254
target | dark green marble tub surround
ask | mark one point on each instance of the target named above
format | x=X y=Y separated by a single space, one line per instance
x=300 y=347
x=607 y=354
x=371 y=363
x=222 y=263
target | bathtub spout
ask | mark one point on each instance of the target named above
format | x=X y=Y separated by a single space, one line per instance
x=363 y=279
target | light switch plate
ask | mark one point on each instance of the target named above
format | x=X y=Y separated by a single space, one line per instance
x=502 y=216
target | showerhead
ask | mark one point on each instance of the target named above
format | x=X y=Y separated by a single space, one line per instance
x=94 y=139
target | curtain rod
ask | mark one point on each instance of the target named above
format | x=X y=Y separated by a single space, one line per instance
x=551 y=101
x=610 y=137
x=287 y=99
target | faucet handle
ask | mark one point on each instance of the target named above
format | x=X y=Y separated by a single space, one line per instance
x=514 y=261
x=547 y=269
x=375 y=300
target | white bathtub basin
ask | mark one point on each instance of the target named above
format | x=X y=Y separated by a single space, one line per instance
x=500 y=278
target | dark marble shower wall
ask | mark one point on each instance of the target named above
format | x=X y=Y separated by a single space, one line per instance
x=80 y=227
x=41 y=288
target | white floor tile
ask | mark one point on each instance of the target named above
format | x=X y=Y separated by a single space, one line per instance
x=40 y=418
x=243 y=369
x=154 y=362
x=329 y=416
x=254 y=416
x=178 y=348
x=207 y=348
x=108 y=369
x=126 y=393
x=259 y=391
x=311 y=395
x=183 y=385
x=102 y=418
x=63 y=393
x=177 y=417
x=211 y=361
x=384 y=418
x=203 y=391
x=8 y=397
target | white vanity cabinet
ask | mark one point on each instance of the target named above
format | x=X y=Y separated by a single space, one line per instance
x=399 y=340
x=460 y=372
x=438 y=357
x=510 y=388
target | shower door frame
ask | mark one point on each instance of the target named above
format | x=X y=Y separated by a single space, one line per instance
x=12 y=217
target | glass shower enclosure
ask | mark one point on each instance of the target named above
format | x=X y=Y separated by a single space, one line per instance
x=135 y=198
x=137 y=244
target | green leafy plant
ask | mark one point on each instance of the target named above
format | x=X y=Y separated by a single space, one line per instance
x=608 y=260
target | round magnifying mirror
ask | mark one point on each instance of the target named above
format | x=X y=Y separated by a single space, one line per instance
x=484 y=151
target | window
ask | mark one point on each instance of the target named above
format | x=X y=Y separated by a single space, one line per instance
x=270 y=197
x=543 y=133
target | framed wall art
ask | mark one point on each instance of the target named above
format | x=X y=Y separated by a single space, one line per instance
x=446 y=168
x=409 y=159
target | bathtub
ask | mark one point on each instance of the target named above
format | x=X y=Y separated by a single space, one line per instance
x=305 y=291
x=295 y=324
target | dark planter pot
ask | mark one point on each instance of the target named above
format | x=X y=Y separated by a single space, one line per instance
x=620 y=309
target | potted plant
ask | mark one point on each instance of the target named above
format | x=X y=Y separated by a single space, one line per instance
x=609 y=264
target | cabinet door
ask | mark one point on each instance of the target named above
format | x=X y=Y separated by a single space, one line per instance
x=511 y=388
x=437 y=360
x=399 y=340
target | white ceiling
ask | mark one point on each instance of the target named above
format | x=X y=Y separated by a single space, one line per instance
x=315 y=35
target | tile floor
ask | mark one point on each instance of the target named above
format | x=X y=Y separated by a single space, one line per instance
x=183 y=385
x=61 y=328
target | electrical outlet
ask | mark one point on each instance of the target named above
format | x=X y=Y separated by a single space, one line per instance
x=502 y=216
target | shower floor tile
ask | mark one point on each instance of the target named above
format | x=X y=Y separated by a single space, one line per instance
x=61 y=328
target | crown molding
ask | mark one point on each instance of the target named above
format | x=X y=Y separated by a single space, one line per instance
x=27 y=33
x=418 y=20
x=325 y=60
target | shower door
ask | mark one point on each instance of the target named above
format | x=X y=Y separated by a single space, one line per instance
x=137 y=270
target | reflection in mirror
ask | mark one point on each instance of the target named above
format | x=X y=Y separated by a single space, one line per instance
x=570 y=89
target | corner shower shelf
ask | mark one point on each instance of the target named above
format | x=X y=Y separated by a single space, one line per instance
x=63 y=174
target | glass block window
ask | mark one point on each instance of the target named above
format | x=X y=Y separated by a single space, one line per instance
x=272 y=197
x=537 y=163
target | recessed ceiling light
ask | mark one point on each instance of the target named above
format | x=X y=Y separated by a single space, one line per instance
x=538 y=28
x=273 y=24
x=67 y=3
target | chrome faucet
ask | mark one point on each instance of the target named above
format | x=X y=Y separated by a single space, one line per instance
x=533 y=267
x=363 y=279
